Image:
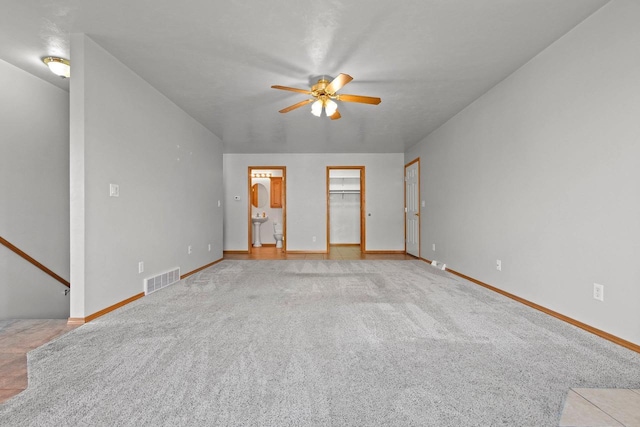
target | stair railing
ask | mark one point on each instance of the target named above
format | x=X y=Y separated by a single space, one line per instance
x=24 y=255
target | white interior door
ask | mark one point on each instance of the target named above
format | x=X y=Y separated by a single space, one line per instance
x=412 y=208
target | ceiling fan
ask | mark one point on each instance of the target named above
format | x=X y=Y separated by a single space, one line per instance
x=324 y=94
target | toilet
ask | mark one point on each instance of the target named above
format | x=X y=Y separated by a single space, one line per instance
x=277 y=233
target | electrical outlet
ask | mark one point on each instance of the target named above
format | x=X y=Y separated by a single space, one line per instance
x=313 y=238
x=598 y=292
x=141 y=267
x=114 y=190
x=498 y=265
x=433 y=247
x=189 y=249
x=219 y=203
x=209 y=247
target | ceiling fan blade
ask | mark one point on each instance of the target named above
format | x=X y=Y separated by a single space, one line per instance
x=292 y=89
x=337 y=83
x=361 y=99
x=335 y=116
x=298 y=105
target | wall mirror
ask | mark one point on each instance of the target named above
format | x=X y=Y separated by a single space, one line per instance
x=259 y=195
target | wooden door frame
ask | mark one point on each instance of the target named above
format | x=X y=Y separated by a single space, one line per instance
x=417 y=159
x=284 y=204
x=363 y=225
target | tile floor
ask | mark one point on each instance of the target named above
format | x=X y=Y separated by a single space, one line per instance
x=583 y=407
x=590 y=407
x=17 y=337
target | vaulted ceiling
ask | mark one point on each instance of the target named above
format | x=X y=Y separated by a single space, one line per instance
x=426 y=59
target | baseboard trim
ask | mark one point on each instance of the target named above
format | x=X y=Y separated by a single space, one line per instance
x=235 y=252
x=602 y=334
x=83 y=320
x=200 y=269
x=384 y=252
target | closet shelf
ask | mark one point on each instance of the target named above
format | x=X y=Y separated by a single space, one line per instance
x=344 y=191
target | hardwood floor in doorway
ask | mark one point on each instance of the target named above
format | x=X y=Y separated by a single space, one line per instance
x=335 y=253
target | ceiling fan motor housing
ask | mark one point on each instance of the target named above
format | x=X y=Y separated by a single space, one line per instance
x=318 y=88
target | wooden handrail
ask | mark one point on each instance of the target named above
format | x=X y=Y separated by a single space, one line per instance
x=15 y=249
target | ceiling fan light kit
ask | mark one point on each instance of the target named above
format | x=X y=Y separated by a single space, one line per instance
x=324 y=96
x=316 y=108
x=330 y=107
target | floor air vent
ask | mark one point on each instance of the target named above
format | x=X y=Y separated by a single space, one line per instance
x=152 y=284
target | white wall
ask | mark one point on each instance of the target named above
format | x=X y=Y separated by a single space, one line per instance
x=344 y=220
x=168 y=167
x=542 y=173
x=34 y=195
x=306 y=198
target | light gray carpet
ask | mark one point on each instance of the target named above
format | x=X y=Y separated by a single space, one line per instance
x=317 y=343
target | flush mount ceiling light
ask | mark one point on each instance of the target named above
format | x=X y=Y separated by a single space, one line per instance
x=323 y=95
x=58 y=66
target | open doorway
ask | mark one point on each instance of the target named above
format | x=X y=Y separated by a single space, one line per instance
x=267 y=211
x=346 y=206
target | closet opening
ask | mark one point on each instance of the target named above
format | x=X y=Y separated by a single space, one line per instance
x=345 y=207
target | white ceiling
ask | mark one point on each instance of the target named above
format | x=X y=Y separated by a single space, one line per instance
x=426 y=59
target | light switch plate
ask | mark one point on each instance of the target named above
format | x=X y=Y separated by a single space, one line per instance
x=114 y=190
